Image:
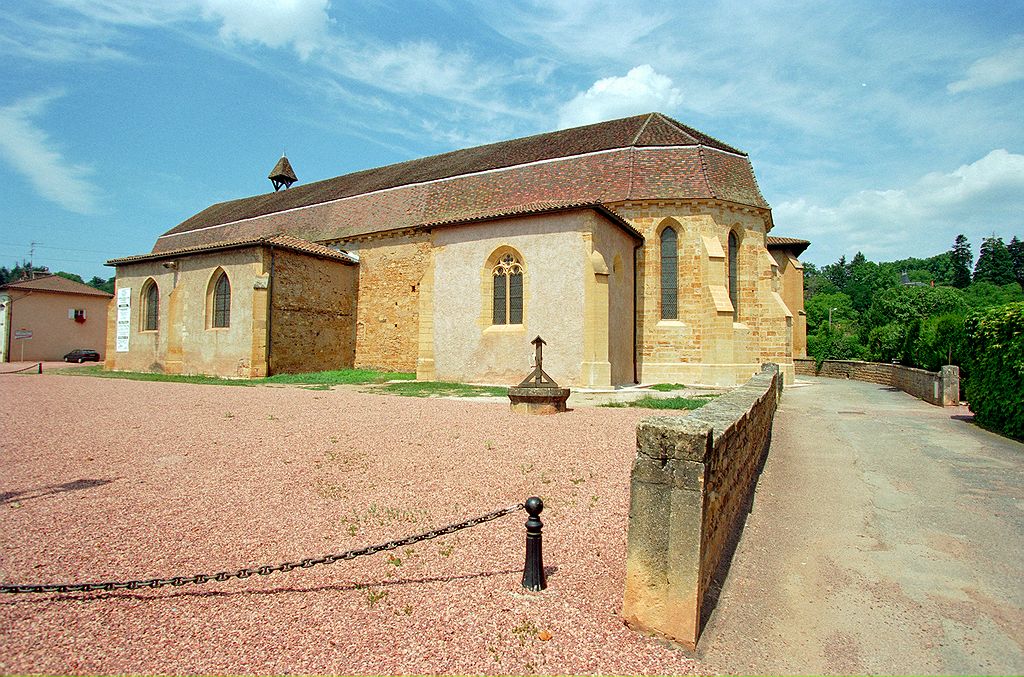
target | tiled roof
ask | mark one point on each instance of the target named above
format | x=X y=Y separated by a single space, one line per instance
x=56 y=283
x=646 y=156
x=280 y=241
x=798 y=246
x=534 y=208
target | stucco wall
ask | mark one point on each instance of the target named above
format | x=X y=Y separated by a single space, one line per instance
x=184 y=342
x=617 y=247
x=313 y=309
x=466 y=347
x=54 y=333
x=704 y=344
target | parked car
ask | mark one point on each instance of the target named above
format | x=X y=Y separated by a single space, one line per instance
x=82 y=355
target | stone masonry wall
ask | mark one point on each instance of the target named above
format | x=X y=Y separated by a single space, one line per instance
x=387 y=312
x=313 y=310
x=689 y=493
x=939 y=388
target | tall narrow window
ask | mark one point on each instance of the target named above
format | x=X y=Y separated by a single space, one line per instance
x=150 y=306
x=734 y=291
x=508 y=291
x=669 y=275
x=222 y=302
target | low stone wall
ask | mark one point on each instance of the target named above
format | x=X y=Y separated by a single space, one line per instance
x=691 y=485
x=940 y=388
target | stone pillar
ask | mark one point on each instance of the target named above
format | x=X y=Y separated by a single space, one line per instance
x=663 y=552
x=950 y=385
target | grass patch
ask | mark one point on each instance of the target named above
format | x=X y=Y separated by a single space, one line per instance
x=98 y=370
x=648 y=402
x=667 y=387
x=442 y=389
x=338 y=377
x=321 y=380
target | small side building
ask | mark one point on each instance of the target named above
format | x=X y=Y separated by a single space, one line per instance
x=786 y=252
x=46 y=317
x=244 y=308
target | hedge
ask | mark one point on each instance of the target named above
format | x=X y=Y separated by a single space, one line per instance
x=995 y=389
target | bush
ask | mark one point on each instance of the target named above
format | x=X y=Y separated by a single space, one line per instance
x=995 y=390
x=834 y=345
x=885 y=343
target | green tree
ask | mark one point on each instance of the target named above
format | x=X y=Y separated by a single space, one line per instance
x=982 y=295
x=903 y=305
x=994 y=263
x=962 y=258
x=818 y=307
x=1016 y=249
x=837 y=273
x=101 y=284
x=71 y=276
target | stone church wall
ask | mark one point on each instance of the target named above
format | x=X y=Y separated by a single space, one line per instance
x=704 y=344
x=387 y=311
x=313 y=314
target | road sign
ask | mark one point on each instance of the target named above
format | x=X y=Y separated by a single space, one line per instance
x=22 y=333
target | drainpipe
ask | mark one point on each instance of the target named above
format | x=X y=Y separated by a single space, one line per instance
x=270 y=311
x=636 y=338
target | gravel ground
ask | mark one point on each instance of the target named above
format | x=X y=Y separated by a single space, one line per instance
x=108 y=479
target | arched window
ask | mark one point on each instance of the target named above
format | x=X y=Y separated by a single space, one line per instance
x=222 y=302
x=150 y=306
x=669 y=274
x=507 y=276
x=734 y=290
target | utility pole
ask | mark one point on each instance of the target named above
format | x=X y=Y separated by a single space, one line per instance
x=31 y=261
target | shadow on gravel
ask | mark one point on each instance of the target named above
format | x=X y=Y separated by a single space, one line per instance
x=158 y=595
x=29 y=494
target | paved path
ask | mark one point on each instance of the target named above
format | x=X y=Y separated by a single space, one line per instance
x=887 y=536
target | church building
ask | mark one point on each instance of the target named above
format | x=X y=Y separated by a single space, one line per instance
x=637 y=248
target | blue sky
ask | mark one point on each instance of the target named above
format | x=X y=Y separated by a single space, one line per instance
x=881 y=127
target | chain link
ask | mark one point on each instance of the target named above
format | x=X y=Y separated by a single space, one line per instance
x=264 y=570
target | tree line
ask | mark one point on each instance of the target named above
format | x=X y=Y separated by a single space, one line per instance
x=912 y=310
x=23 y=270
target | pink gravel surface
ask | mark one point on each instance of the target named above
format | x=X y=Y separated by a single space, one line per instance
x=113 y=480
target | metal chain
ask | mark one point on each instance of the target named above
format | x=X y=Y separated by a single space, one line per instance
x=264 y=570
x=37 y=365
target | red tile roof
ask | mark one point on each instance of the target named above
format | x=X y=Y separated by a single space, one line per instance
x=798 y=246
x=280 y=241
x=56 y=283
x=642 y=157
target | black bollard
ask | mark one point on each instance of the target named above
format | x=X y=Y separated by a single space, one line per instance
x=533 y=571
x=40 y=367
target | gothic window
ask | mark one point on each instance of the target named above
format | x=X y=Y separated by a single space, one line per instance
x=150 y=306
x=507 y=295
x=734 y=291
x=669 y=274
x=222 y=302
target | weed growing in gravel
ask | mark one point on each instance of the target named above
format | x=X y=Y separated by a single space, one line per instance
x=648 y=402
x=525 y=468
x=525 y=630
x=446 y=550
x=229 y=415
x=393 y=560
x=374 y=596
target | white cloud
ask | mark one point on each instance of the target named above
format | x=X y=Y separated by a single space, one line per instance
x=300 y=24
x=999 y=69
x=923 y=217
x=641 y=90
x=32 y=153
x=276 y=23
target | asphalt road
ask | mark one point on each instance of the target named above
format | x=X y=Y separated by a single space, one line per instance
x=886 y=537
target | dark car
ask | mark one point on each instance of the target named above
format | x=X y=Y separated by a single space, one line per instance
x=82 y=355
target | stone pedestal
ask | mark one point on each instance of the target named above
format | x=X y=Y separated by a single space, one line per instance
x=544 y=400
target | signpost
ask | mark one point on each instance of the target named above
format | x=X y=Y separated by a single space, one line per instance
x=22 y=334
